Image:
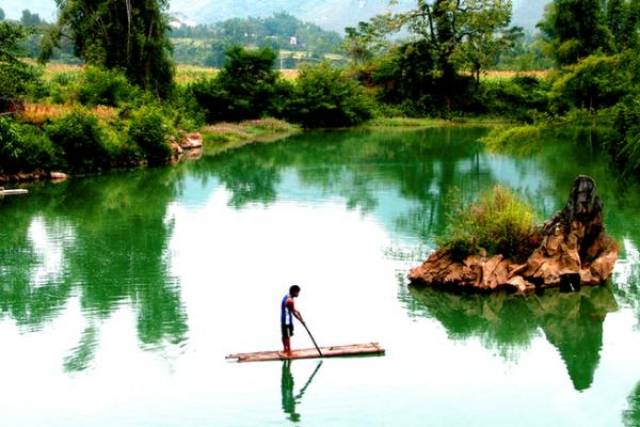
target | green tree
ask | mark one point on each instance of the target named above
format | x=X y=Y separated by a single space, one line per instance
x=245 y=88
x=2 y=15
x=453 y=30
x=368 y=39
x=130 y=35
x=481 y=50
x=15 y=75
x=408 y=73
x=596 y=81
x=325 y=97
x=575 y=29
x=448 y=24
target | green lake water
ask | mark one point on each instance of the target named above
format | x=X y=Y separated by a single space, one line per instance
x=120 y=295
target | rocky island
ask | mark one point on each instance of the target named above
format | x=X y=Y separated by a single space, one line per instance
x=569 y=250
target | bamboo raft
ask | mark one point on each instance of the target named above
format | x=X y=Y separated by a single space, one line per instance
x=370 y=349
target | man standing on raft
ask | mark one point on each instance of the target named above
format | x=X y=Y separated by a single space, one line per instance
x=287 y=311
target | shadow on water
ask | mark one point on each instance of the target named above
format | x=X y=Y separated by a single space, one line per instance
x=287 y=384
x=102 y=240
x=571 y=322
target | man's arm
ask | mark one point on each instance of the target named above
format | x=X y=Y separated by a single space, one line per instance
x=292 y=308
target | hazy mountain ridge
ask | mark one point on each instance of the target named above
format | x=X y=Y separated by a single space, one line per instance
x=330 y=14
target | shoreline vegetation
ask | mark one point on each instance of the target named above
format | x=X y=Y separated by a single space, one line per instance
x=224 y=136
x=216 y=139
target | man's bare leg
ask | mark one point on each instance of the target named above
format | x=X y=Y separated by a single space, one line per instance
x=286 y=343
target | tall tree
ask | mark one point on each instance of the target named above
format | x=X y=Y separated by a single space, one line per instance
x=453 y=32
x=2 y=15
x=575 y=29
x=126 y=34
x=448 y=24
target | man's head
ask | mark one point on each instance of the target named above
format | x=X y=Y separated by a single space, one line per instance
x=294 y=291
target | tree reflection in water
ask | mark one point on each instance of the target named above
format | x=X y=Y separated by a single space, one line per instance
x=571 y=322
x=113 y=248
x=631 y=415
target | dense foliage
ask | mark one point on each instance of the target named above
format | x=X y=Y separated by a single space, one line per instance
x=245 y=88
x=248 y=87
x=82 y=140
x=99 y=86
x=325 y=97
x=150 y=131
x=24 y=148
x=595 y=90
x=575 y=29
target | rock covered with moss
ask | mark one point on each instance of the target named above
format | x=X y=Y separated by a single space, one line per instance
x=570 y=250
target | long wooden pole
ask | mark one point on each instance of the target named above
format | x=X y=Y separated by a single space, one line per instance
x=312 y=339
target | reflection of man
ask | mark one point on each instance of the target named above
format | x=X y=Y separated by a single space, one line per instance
x=286 y=388
x=289 y=401
x=287 y=311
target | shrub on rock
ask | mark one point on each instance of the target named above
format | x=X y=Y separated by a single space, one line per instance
x=498 y=222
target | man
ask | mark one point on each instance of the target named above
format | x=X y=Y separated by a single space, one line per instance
x=287 y=312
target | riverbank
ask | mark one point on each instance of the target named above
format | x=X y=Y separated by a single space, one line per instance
x=216 y=139
x=225 y=136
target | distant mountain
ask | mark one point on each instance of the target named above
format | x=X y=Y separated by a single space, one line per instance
x=330 y=14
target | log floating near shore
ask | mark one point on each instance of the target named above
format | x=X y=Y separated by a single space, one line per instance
x=15 y=192
x=369 y=349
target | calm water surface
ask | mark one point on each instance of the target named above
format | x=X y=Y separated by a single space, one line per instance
x=120 y=295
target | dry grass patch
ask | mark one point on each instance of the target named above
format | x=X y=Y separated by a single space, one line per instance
x=37 y=114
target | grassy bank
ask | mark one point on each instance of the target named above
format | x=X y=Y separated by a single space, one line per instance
x=428 y=122
x=222 y=137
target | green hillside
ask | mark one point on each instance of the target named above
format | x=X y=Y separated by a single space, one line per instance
x=296 y=40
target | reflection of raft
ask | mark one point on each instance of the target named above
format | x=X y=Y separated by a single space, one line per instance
x=15 y=192
x=370 y=349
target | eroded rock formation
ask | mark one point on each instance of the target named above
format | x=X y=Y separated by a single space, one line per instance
x=572 y=249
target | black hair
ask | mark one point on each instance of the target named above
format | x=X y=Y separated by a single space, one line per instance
x=293 y=289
